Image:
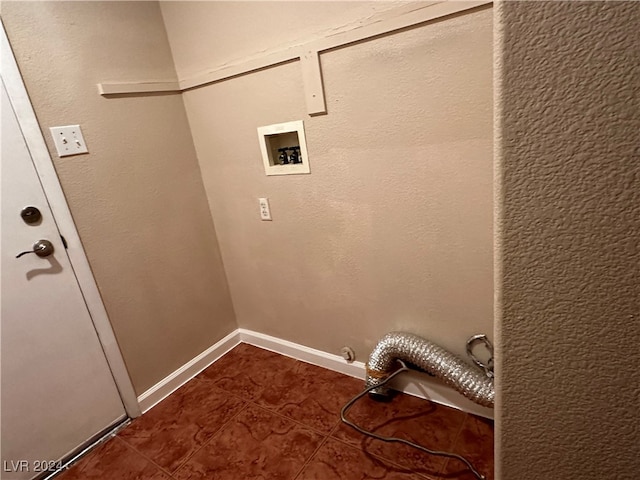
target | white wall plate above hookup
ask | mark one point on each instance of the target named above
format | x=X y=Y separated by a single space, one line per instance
x=68 y=140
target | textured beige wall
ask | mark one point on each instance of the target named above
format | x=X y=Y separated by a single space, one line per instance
x=393 y=227
x=569 y=200
x=208 y=34
x=137 y=198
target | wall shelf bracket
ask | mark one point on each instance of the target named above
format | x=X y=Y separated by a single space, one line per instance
x=312 y=80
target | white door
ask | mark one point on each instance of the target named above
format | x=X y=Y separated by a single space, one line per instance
x=57 y=391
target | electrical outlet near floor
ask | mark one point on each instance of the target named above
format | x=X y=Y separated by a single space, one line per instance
x=265 y=211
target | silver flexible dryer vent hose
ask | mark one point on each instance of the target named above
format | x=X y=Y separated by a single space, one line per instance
x=468 y=380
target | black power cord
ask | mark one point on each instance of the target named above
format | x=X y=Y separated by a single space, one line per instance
x=345 y=409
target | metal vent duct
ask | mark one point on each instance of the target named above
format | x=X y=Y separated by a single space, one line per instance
x=470 y=381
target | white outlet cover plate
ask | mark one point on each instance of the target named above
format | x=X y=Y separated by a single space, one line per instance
x=68 y=140
x=265 y=210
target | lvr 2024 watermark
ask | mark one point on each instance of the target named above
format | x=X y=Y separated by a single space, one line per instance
x=34 y=466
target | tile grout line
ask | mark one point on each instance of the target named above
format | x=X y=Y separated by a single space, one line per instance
x=253 y=403
x=137 y=452
x=386 y=460
x=454 y=444
x=250 y=402
x=325 y=436
x=389 y=460
x=246 y=403
x=275 y=412
x=168 y=472
x=329 y=435
x=214 y=435
x=298 y=422
x=308 y=460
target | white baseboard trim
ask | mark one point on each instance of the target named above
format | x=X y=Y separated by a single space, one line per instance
x=303 y=353
x=175 y=380
x=413 y=383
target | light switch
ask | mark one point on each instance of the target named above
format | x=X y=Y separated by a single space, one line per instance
x=68 y=140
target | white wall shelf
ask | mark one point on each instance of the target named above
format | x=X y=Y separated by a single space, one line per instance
x=389 y=22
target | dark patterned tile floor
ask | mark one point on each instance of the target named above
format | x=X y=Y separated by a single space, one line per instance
x=257 y=415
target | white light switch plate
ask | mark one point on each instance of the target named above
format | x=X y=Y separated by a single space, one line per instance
x=68 y=140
